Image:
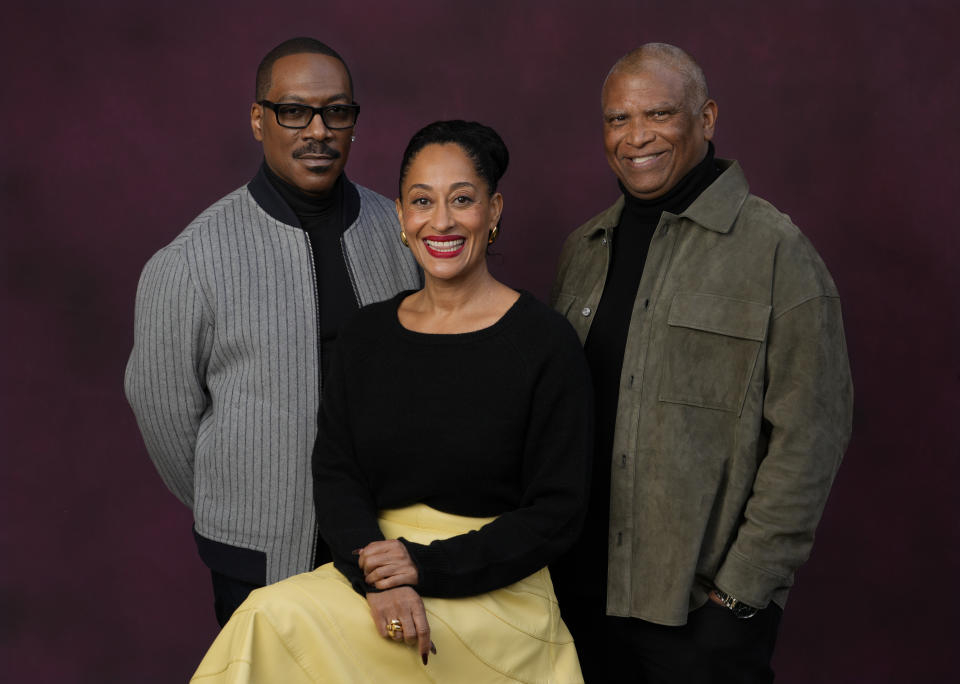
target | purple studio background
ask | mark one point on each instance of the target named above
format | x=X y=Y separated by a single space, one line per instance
x=122 y=121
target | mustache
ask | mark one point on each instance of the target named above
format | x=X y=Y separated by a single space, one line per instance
x=316 y=147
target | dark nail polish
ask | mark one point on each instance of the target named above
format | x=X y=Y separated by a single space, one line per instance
x=433 y=649
x=423 y=656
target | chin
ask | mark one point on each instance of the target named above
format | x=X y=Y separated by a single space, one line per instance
x=646 y=191
x=317 y=183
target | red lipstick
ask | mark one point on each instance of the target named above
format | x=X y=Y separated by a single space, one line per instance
x=444 y=246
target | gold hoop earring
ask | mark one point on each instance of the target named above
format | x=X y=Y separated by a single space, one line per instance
x=403 y=239
x=493 y=234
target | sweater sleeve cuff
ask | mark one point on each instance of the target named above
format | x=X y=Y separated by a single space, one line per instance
x=432 y=564
x=747 y=582
x=355 y=576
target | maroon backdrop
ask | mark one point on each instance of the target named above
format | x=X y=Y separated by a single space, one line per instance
x=122 y=121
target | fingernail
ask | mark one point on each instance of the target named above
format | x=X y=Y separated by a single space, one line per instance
x=433 y=649
x=423 y=656
x=356 y=552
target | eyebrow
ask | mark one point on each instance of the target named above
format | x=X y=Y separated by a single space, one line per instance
x=664 y=107
x=453 y=186
x=659 y=107
x=296 y=98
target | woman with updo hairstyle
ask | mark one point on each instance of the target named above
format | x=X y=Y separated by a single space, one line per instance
x=451 y=465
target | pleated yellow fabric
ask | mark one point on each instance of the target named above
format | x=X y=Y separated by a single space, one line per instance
x=315 y=628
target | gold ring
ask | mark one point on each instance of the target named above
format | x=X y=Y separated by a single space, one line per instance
x=394 y=626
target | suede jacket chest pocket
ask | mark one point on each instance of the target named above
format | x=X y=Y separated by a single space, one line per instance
x=710 y=350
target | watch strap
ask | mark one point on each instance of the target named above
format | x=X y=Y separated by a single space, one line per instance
x=739 y=609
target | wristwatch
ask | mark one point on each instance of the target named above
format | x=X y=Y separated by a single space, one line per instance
x=739 y=609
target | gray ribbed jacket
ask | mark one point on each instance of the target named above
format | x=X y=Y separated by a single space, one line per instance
x=224 y=373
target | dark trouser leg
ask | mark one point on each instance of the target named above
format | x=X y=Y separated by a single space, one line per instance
x=228 y=594
x=714 y=647
x=733 y=650
x=586 y=626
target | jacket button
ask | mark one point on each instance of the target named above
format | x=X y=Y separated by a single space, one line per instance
x=585 y=311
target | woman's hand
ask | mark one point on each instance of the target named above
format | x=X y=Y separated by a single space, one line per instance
x=404 y=605
x=387 y=564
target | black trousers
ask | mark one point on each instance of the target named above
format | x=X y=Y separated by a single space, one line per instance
x=714 y=647
x=228 y=594
x=240 y=572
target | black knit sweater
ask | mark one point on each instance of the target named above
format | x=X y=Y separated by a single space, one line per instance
x=495 y=422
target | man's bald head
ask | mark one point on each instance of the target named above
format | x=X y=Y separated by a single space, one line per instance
x=657 y=118
x=661 y=55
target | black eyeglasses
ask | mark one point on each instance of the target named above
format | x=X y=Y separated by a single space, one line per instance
x=336 y=117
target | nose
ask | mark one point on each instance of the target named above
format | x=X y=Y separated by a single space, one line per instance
x=443 y=218
x=316 y=129
x=639 y=134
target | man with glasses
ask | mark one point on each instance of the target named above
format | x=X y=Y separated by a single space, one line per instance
x=237 y=318
x=723 y=395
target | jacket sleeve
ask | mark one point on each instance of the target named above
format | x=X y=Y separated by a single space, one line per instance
x=807 y=416
x=165 y=376
x=555 y=472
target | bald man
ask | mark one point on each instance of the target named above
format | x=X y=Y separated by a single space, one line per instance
x=723 y=395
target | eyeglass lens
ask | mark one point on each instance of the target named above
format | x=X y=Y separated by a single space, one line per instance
x=299 y=116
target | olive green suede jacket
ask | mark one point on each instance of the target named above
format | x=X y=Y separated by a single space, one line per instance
x=735 y=402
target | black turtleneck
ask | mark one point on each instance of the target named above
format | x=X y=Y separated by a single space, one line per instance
x=324 y=218
x=607 y=341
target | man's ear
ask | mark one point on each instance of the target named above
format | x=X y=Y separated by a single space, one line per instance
x=708 y=117
x=256 y=121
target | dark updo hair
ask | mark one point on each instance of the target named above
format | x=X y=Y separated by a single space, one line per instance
x=481 y=143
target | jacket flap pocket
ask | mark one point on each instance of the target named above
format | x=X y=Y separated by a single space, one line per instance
x=721 y=315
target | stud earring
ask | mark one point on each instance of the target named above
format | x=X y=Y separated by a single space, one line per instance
x=403 y=239
x=353 y=138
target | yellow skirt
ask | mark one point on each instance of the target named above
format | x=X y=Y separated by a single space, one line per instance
x=315 y=628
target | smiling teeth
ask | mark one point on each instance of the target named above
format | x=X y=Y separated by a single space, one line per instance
x=640 y=160
x=445 y=245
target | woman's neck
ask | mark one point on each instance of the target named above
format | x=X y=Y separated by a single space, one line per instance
x=457 y=306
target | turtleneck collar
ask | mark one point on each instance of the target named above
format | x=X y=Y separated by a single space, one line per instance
x=305 y=204
x=679 y=197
